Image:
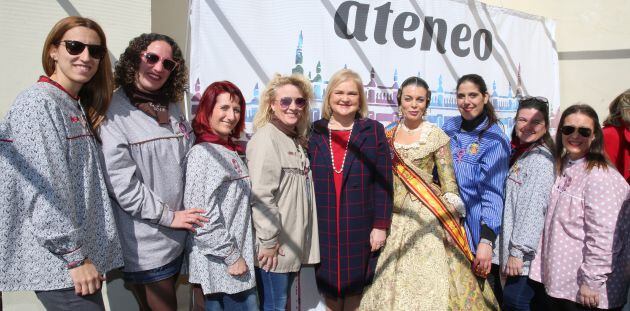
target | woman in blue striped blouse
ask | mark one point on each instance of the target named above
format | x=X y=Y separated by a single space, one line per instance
x=481 y=153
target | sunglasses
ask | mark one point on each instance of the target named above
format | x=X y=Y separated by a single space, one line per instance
x=153 y=59
x=540 y=99
x=76 y=47
x=583 y=131
x=300 y=102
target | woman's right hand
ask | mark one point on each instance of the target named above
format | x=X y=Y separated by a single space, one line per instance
x=268 y=257
x=86 y=279
x=238 y=268
x=187 y=218
x=514 y=266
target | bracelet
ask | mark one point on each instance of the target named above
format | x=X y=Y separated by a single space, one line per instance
x=76 y=263
x=486 y=241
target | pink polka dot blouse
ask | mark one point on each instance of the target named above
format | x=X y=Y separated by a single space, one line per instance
x=586 y=227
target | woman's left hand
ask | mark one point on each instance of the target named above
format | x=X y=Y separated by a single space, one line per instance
x=377 y=238
x=483 y=260
x=588 y=297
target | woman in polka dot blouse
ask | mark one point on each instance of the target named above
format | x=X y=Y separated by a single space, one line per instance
x=581 y=259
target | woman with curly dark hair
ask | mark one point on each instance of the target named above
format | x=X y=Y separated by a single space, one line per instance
x=145 y=140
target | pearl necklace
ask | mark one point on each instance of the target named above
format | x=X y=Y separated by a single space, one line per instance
x=332 y=154
x=408 y=130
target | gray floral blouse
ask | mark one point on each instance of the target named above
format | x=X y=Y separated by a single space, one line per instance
x=54 y=207
x=217 y=181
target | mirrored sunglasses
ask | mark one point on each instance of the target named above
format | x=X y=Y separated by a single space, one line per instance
x=76 y=47
x=583 y=131
x=300 y=102
x=153 y=59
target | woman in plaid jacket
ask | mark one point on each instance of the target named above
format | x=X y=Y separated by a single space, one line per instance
x=352 y=174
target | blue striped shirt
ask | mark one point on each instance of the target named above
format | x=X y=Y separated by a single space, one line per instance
x=481 y=167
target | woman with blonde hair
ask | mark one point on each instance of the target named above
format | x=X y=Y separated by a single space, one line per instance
x=351 y=164
x=284 y=215
x=57 y=230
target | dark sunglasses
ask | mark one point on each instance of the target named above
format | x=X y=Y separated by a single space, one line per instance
x=76 y=47
x=583 y=131
x=153 y=59
x=285 y=102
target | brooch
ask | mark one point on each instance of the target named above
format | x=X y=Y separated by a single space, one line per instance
x=473 y=148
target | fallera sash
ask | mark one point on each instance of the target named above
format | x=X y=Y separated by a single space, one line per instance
x=419 y=187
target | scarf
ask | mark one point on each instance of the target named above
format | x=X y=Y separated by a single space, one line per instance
x=207 y=137
x=290 y=131
x=518 y=149
x=471 y=125
x=153 y=104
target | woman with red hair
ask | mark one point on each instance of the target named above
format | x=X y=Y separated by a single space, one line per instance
x=217 y=181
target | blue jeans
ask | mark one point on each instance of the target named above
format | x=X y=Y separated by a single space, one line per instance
x=522 y=294
x=243 y=301
x=273 y=289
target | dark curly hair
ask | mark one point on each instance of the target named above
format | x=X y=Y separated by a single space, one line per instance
x=129 y=62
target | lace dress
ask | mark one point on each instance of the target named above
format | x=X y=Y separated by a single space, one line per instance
x=418 y=269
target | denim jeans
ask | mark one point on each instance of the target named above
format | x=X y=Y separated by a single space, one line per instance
x=154 y=275
x=243 y=301
x=522 y=294
x=273 y=289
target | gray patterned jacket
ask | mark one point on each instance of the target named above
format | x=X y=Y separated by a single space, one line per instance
x=527 y=191
x=218 y=181
x=54 y=207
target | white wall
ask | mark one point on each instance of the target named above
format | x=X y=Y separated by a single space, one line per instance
x=24 y=25
x=583 y=26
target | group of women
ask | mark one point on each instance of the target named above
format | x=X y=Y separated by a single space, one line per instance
x=408 y=217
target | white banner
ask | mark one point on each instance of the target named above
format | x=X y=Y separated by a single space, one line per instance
x=246 y=42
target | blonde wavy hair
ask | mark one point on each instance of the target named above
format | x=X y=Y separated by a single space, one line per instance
x=264 y=113
x=339 y=77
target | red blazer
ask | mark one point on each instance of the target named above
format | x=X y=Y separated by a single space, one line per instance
x=617 y=146
x=347 y=264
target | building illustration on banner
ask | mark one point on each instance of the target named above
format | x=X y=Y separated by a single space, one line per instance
x=382 y=99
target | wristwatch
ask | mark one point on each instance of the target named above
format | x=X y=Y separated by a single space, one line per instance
x=486 y=241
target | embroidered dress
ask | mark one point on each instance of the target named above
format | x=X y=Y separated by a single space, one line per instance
x=582 y=243
x=418 y=269
x=217 y=181
x=59 y=210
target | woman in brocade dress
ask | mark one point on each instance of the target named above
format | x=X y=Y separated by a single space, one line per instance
x=424 y=266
